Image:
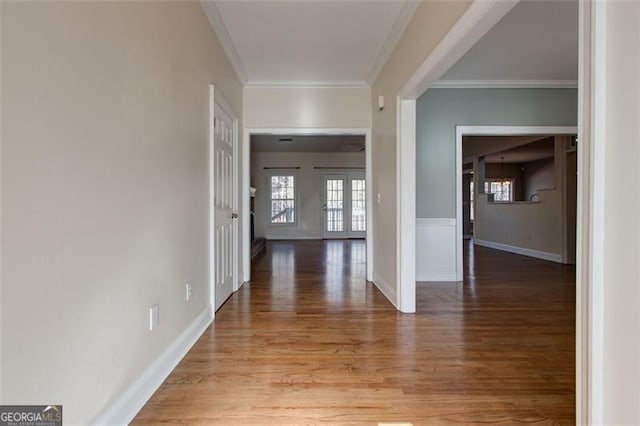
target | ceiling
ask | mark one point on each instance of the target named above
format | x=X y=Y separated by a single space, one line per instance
x=296 y=42
x=536 y=41
x=307 y=143
x=533 y=151
x=347 y=42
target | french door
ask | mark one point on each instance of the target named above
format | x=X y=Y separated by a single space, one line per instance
x=344 y=205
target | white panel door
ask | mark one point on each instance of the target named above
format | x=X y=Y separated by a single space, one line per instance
x=344 y=205
x=225 y=216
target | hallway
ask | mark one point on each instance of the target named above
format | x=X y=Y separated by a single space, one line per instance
x=308 y=341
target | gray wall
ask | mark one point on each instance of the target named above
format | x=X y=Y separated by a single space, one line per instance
x=538 y=175
x=439 y=111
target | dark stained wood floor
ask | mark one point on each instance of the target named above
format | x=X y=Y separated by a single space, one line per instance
x=309 y=342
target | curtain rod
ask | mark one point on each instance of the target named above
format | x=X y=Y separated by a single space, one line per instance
x=281 y=168
x=338 y=168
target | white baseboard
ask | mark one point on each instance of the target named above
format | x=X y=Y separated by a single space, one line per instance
x=124 y=409
x=291 y=237
x=552 y=257
x=436 y=249
x=434 y=276
x=386 y=289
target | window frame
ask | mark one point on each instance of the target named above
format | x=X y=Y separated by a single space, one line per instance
x=296 y=197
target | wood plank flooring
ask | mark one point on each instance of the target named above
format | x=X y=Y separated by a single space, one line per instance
x=309 y=342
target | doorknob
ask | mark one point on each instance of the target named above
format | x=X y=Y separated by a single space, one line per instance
x=234 y=215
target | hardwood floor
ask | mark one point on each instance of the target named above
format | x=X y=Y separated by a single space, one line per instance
x=309 y=342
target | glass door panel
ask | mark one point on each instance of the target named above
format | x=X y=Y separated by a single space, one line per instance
x=334 y=206
x=358 y=206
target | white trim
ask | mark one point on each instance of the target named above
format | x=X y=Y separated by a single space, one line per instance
x=386 y=289
x=594 y=128
x=217 y=23
x=212 y=207
x=490 y=131
x=501 y=84
x=552 y=257
x=399 y=26
x=583 y=262
x=435 y=221
x=476 y=21
x=246 y=178
x=124 y=408
x=368 y=176
x=324 y=84
x=406 y=206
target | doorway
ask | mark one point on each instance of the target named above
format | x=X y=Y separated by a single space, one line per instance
x=500 y=177
x=344 y=205
x=303 y=222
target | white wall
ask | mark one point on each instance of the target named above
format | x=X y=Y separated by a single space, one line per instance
x=104 y=191
x=616 y=326
x=309 y=190
x=310 y=107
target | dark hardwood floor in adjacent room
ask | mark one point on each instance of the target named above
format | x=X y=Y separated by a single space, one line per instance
x=309 y=342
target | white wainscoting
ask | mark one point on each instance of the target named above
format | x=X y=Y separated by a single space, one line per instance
x=435 y=249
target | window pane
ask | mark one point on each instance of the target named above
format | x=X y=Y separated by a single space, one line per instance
x=471 y=201
x=282 y=199
x=501 y=190
x=358 y=206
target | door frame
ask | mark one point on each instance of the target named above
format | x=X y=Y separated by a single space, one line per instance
x=246 y=182
x=213 y=99
x=477 y=20
x=462 y=131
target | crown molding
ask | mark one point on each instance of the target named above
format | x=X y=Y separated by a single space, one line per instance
x=505 y=84
x=215 y=19
x=329 y=84
x=399 y=26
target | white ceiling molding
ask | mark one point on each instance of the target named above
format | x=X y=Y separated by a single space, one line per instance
x=215 y=19
x=346 y=84
x=510 y=84
x=399 y=26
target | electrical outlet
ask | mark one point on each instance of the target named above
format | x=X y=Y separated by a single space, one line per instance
x=154 y=317
x=379 y=198
x=188 y=291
